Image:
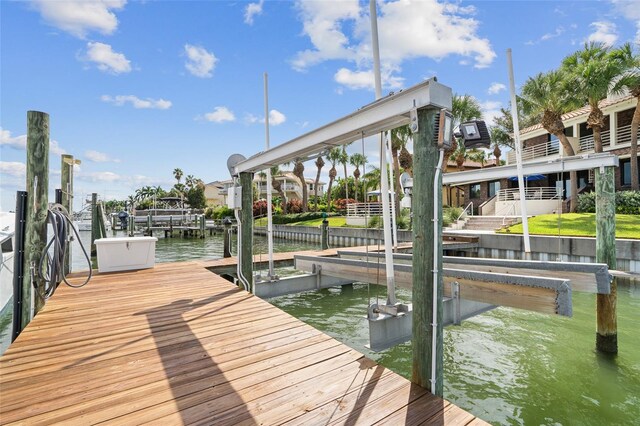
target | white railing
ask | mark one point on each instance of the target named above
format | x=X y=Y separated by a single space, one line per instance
x=540 y=193
x=587 y=143
x=536 y=151
x=623 y=135
x=365 y=209
x=464 y=213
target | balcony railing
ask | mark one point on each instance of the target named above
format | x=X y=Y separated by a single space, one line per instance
x=536 y=151
x=540 y=193
x=364 y=209
x=587 y=143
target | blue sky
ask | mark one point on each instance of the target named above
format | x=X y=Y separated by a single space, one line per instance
x=137 y=88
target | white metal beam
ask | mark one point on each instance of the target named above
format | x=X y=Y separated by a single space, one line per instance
x=384 y=114
x=566 y=164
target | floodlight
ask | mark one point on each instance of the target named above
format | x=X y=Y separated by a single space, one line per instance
x=444 y=129
x=474 y=134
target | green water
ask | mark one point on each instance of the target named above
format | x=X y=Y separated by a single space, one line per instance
x=509 y=366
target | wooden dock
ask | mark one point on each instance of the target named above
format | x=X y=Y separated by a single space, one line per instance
x=177 y=344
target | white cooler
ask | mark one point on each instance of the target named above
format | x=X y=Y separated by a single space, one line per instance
x=126 y=253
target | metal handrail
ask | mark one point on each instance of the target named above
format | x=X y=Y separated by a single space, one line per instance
x=465 y=211
x=511 y=209
x=535 y=193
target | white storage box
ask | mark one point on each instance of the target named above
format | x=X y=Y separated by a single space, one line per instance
x=126 y=253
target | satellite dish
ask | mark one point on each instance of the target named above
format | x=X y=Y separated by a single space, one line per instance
x=406 y=181
x=232 y=161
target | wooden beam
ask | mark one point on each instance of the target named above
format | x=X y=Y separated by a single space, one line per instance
x=37 y=208
x=425 y=160
x=246 y=219
x=607 y=322
x=532 y=293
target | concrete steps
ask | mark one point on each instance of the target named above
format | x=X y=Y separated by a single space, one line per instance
x=487 y=223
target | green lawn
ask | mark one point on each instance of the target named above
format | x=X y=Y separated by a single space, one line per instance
x=578 y=224
x=336 y=221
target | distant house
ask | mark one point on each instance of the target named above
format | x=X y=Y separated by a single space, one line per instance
x=290 y=185
x=539 y=145
x=213 y=194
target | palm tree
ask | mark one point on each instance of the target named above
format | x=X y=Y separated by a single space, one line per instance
x=189 y=181
x=547 y=96
x=319 y=164
x=277 y=185
x=593 y=71
x=344 y=159
x=399 y=138
x=631 y=81
x=357 y=160
x=464 y=108
x=478 y=156
x=177 y=173
x=497 y=152
x=298 y=171
x=371 y=179
x=333 y=156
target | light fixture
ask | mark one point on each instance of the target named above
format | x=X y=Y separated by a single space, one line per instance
x=474 y=134
x=444 y=129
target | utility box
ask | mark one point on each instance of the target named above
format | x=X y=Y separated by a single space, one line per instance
x=234 y=198
x=126 y=253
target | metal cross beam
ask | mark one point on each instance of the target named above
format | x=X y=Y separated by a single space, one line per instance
x=387 y=113
x=567 y=164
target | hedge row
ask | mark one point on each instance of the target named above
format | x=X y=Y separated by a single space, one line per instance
x=299 y=217
x=627 y=202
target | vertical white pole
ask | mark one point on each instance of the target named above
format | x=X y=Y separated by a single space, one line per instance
x=392 y=188
x=516 y=134
x=269 y=207
x=384 y=184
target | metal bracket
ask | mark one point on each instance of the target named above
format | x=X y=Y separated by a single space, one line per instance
x=455 y=295
x=393 y=310
x=413 y=123
x=317 y=271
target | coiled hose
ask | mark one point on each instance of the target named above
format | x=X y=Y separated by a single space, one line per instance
x=58 y=217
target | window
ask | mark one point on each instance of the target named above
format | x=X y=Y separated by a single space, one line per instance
x=625 y=172
x=494 y=187
x=474 y=190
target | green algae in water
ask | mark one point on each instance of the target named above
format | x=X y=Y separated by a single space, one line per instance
x=508 y=366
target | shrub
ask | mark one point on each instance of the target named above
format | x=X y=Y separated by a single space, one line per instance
x=294 y=206
x=341 y=203
x=450 y=215
x=219 y=212
x=299 y=217
x=627 y=202
x=259 y=208
x=374 y=222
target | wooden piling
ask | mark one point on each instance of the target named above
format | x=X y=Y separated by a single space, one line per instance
x=246 y=219
x=324 y=237
x=607 y=322
x=37 y=209
x=425 y=159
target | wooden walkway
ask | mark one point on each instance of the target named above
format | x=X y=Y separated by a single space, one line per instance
x=179 y=345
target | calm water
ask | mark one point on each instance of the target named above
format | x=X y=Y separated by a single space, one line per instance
x=509 y=366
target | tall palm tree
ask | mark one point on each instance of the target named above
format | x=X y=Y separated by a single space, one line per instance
x=178 y=173
x=399 y=139
x=547 y=96
x=357 y=160
x=463 y=108
x=371 y=179
x=631 y=81
x=333 y=156
x=344 y=159
x=478 y=156
x=277 y=185
x=298 y=171
x=319 y=164
x=189 y=181
x=593 y=71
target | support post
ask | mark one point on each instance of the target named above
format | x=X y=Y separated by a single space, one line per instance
x=95 y=227
x=246 y=219
x=324 y=234
x=607 y=322
x=425 y=159
x=37 y=208
x=18 y=263
x=226 y=249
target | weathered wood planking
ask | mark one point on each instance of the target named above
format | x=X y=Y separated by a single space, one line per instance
x=546 y=295
x=585 y=277
x=179 y=345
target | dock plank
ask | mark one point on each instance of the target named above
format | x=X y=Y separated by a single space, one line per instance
x=177 y=344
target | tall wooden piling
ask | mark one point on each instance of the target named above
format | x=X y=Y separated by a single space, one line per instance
x=37 y=209
x=607 y=322
x=324 y=234
x=425 y=160
x=246 y=220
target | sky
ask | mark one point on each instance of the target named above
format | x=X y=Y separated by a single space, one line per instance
x=135 y=89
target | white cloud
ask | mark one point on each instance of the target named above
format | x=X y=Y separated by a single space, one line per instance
x=629 y=9
x=252 y=9
x=365 y=79
x=106 y=59
x=557 y=33
x=18 y=142
x=200 y=62
x=109 y=177
x=13 y=168
x=99 y=157
x=407 y=30
x=490 y=110
x=220 y=114
x=54 y=148
x=78 y=17
x=496 y=88
x=276 y=117
x=136 y=102
x=251 y=119
x=605 y=32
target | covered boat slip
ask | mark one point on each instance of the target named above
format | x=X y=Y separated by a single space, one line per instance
x=178 y=344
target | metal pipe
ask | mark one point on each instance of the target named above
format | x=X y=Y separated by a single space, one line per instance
x=516 y=135
x=437 y=240
x=269 y=207
x=18 y=262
